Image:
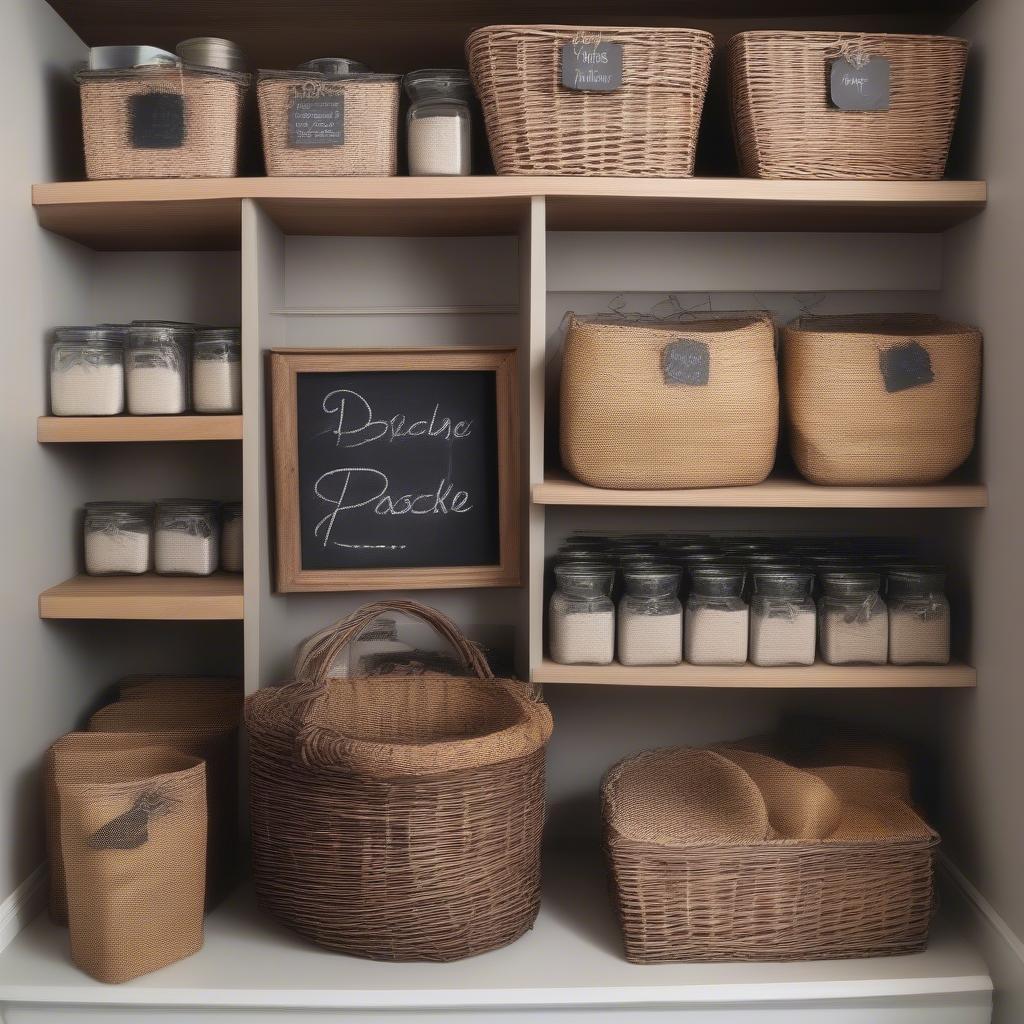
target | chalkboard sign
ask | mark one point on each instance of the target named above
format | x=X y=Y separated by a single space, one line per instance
x=395 y=469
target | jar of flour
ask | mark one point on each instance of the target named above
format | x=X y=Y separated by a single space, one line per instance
x=783 y=617
x=918 y=617
x=581 y=615
x=186 y=538
x=439 y=121
x=87 y=372
x=853 y=621
x=118 y=538
x=650 y=616
x=217 y=371
x=156 y=369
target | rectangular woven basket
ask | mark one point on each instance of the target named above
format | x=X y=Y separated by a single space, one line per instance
x=786 y=127
x=645 y=128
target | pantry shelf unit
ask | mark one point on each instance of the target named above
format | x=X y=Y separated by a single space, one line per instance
x=87 y=429
x=816 y=676
x=145 y=597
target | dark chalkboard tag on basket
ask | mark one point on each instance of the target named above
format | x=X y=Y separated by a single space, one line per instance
x=157 y=120
x=316 y=121
x=686 y=361
x=905 y=366
x=589 y=65
x=860 y=84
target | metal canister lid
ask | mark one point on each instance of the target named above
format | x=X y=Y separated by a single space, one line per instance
x=334 y=67
x=212 y=52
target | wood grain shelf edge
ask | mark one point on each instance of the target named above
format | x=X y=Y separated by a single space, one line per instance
x=87 y=429
x=149 y=597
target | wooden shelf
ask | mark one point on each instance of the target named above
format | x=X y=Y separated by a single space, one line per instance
x=816 y=676
x=206 y=213
x=84 y=429
x=144 y=597
x=776 y=492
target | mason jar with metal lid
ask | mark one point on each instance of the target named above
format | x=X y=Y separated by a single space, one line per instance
x=87 y=372
x=186 y=538
x=581 y=614
x=853 y=622
x=783 y=616
x=334 y=67
x=919 y=617
x=217 y=370
x=715 y=631
x=157 y=370
x=118 y=538
x=439 y=122
x=211 y=52
x=650 y=615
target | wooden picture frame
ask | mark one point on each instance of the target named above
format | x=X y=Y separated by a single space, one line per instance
x=285 y=367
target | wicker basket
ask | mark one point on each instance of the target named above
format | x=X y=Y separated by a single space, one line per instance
x=724 y=855
x=646 y=128
x=693 y=403
x=786 y=126
x=880 y=400
x=162 y=122
x=364 y=137
x=398 y=817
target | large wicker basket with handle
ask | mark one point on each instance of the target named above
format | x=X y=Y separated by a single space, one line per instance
x=398 y=817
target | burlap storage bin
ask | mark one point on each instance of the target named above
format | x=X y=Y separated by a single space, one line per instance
x=535 y=125
x=693 y=403
x=725 y=855
x=398 y=817
x=133 y=836
x=787 y=127
x=880 y=400
x=369 y=124
x=198 y=127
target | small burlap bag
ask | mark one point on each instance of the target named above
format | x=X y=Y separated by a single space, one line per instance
x=398 y=817
x=133 y=836
x=157 y=686
x=880 y=400
x=197 y=122
x=693 y=403
x=727 y=854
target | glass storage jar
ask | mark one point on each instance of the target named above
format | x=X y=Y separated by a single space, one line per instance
x=783 y=617
x=186 y=538
x=87 y=372
x=853 y=622
x=231 y=537
x=581 y=615
x=650 y=616
x=217 y=370
x=717 y=617
x=156 y=367
x=118 y=538
x=439 y=121
x=918 y=617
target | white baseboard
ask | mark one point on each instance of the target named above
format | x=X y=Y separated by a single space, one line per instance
x=25 y=903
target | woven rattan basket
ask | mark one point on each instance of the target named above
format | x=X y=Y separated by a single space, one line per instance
x=398 y=817
x=364 y=141
x=693 y=403
x=786 y=126
x=162 y=122
x=880 y=400
x=719 y=855
x=645 y=128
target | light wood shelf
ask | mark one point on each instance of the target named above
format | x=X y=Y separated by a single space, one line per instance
x=144 y=597
x=85 y=429
x=816 y=676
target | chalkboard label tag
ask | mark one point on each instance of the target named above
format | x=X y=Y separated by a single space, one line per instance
x=316 y=122
x=686 y=362
x=860 y=85
x=157 y=120
x=589 y=65
x=905 y=366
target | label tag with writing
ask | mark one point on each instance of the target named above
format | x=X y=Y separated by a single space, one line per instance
x=905 y=366
x=316 y=121
x=588 y=65
x=686 y=361
x=860 y=85
x=157 y=120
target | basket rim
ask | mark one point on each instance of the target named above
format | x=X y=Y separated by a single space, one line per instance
x=958 y=41
x=692 y=33
x=881 y=325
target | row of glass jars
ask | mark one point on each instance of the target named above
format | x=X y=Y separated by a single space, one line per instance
x=181 y=537
x=152 y=368
x=731 y=614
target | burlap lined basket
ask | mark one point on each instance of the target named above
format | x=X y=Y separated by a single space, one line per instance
x=727 y=854
x=786 y=126
x=646 y=128
x=847 y=427
x=133 y=836
x=370 y=124
x=212 y=111
x=638 y=411
x=398 y=817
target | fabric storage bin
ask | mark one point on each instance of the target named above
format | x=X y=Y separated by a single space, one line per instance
x=646 y=126
x=880 y=400
x=315 y=124
x=692 y=403
x=728 y=855
x=162 y=122
x=786 y=124
x=398 y=817
x=133 y=838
